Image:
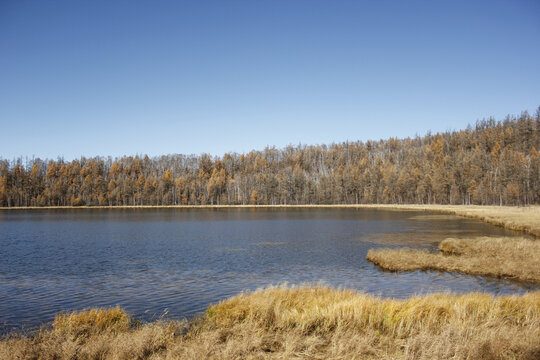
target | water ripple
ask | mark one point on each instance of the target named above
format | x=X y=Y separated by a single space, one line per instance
x=175 y=263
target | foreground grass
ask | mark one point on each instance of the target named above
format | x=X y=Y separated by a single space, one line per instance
x=514 y=258
x=303 y=323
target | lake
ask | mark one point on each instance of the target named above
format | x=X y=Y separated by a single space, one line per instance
x=174 y=262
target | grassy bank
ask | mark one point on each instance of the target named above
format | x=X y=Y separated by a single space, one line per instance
x=514 y=258
x=303 y=323
x=525 y=219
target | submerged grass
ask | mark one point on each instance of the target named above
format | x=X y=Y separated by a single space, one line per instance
x=305 y=323
x=505 y=257
x=524 y=219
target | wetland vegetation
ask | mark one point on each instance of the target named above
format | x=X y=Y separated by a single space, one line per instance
x=329 y=323
x=300 y=323
x=506 y=257
x=269 y=180
x=186 y=232
x=499 y=257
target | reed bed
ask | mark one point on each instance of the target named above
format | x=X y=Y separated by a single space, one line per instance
x=514 y=258
x=325 y=323
x=303 y=323
x=524 y=219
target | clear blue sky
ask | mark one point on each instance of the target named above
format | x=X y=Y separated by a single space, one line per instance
x=158 y=77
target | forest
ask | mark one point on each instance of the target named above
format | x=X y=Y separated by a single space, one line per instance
x=490 y=163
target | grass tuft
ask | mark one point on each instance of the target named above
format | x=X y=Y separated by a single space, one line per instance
x=515 y=258
x=92 y=322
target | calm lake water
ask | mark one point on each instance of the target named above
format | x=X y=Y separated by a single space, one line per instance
x=174 y=262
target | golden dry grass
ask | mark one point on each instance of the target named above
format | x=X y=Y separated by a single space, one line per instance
x=324 y=323
x=515 y=258
x=525 y=219
x=93 y=321
x=306 y=323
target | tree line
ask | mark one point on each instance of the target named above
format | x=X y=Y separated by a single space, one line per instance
x=493 y=162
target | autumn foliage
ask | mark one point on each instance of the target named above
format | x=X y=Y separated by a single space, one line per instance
x=491 y=163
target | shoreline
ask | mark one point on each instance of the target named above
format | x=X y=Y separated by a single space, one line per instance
x=510 y=258
x=313 y=321
x=525 y=219
x=360 y=206
x=301 y=322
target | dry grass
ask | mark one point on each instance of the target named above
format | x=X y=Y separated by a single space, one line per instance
x=525 y=219
x=93 y=334
x=515 y=258
x=324 y=323
x=91 y=322
x=306 y=323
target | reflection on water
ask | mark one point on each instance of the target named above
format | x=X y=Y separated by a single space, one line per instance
x=433 y=217
x=176 y=261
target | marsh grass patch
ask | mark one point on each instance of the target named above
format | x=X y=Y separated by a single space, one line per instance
x=308 y=322
x=501 y=257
